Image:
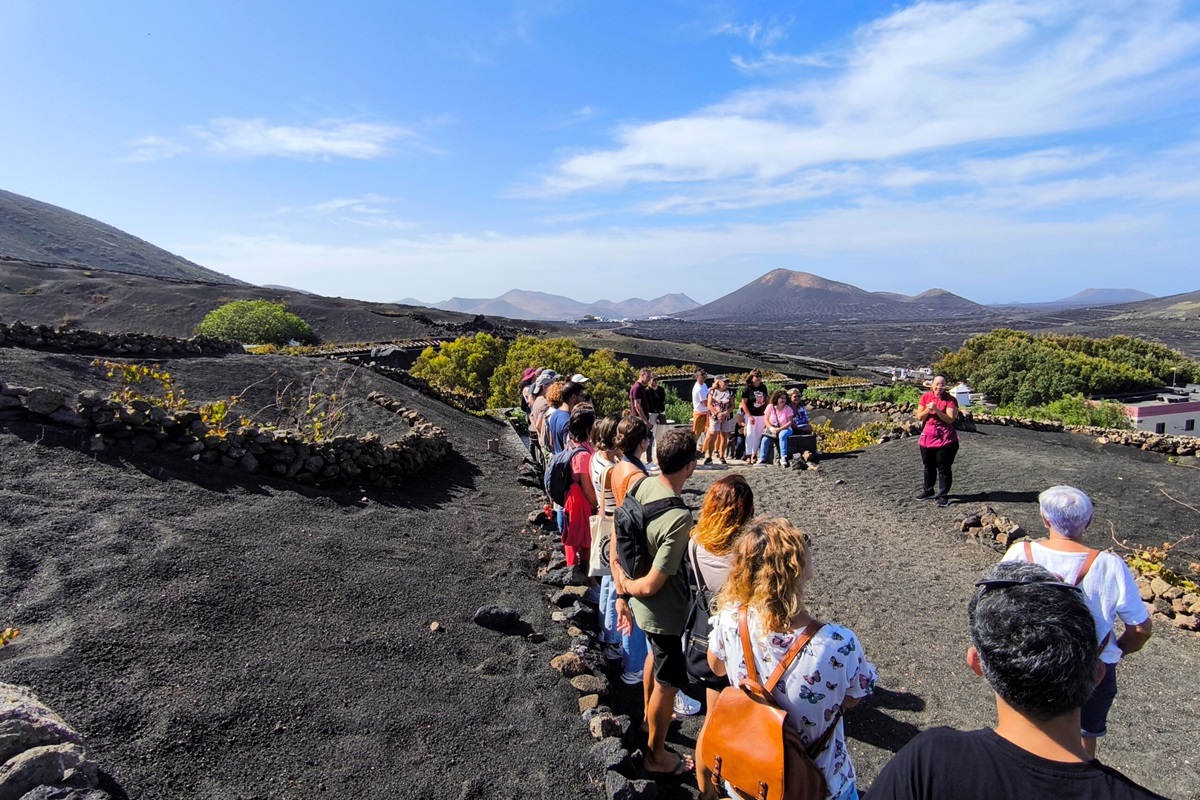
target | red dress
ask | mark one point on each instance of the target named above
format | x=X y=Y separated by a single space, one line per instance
x=577 y=536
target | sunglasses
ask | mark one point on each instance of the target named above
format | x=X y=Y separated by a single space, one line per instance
x=1005 y=583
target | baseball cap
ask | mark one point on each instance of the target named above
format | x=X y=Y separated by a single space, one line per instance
x=577 y=378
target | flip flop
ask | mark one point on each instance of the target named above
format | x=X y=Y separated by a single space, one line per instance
x=681 y=769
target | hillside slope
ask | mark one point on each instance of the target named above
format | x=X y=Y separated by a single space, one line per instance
x=31 y=230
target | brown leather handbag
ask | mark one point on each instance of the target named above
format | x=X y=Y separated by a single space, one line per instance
x=747 y=741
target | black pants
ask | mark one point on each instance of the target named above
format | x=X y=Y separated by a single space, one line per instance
x=938 y=461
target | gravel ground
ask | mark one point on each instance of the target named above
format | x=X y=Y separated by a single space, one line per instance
x=216 y=636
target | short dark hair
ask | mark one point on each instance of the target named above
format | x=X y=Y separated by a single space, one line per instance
x=675 y=450
x=572 y=390
x=1036 y=640
x=579 y=424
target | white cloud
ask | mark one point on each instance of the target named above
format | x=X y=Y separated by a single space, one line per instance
x=930 y=77
x=257 y=138
x=760 y=34
x=154 y=148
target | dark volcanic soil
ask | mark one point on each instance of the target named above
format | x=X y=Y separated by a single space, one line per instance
x=217 y=636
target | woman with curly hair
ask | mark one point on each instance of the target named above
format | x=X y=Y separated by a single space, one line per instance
x=727 y=506
x=772 y=565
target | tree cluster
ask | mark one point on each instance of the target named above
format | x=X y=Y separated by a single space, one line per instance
x=1018 y=368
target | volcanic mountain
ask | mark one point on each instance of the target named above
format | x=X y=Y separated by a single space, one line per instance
x=31 y=230
x=786 y=296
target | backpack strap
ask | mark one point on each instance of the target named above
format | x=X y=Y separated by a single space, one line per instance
x=819 y=745
x=1029 y=551
x=788 y=657
x=1087 y=564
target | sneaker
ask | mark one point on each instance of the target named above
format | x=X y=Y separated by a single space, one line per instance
x=783 y=462
x=632 y=678
x=707 y=460
x=944 y=501
x=686 y=706
x=613 y=652
x=758 y=464
x=925 y=495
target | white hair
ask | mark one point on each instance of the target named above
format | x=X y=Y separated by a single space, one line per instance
x=1068 y=510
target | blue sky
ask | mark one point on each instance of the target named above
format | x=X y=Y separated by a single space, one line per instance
x=1002 y=150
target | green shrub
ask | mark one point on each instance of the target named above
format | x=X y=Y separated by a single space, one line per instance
x=609 y=377
x=1074 y=410
x=897 y=393
x=256 y=322
x=678 y=409
x=464 y=365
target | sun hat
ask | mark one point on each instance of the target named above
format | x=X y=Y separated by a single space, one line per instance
x=530 y=374
x=577 y=378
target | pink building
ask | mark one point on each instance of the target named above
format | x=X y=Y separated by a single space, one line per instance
x=1174 y=414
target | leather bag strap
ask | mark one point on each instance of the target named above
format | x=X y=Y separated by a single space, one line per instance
x=788 y=657
x=792 y=653
x=819 y=745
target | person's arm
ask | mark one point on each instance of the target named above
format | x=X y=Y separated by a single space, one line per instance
x=1134 y=638
x=648 y=585
x=585 y=481
x=924 y=411
x=946 y=416
x=716 y=664
x=745 y=406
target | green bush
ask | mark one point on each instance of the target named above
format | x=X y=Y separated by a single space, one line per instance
x=256 y=322
x=1074 y=410
x=897 y=393
x=464 y=365
x=678 y=409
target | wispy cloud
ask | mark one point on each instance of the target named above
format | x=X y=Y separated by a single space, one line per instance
x=758 y=33
x=258 y=138
x=934 y=76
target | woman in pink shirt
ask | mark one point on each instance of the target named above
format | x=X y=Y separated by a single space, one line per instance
x=778 y=422
x=939 y=441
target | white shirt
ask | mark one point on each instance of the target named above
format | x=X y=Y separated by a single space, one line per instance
x=700 y=398
x=1109 y=589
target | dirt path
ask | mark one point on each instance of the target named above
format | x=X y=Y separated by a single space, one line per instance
x=889 y=568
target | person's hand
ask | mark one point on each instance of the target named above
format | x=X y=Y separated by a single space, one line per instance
x=624 y=617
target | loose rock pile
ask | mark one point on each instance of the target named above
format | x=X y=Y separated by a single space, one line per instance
x=20 y=334
x=990 y=529
x=1169 y=603
x=144 y=427
x=41 y=756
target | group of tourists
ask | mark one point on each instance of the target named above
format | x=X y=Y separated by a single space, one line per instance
x=718 y=606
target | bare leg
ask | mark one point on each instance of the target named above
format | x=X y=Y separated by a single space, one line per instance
x=658 y=714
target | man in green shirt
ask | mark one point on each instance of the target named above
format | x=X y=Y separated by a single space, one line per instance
x=659 y=600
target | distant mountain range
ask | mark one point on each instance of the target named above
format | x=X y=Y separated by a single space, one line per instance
x=520 y=304
x=31 y=230
x=786 y=296
x=1088 y=298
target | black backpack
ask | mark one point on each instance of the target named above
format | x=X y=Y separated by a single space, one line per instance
x=629 y=526
x=558 y=477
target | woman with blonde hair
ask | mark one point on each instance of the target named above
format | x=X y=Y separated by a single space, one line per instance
x=772 y=565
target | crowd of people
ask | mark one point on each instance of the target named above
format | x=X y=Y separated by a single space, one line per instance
x=722 y=601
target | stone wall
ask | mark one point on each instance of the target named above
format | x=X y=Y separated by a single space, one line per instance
x=1159 y=443
x=141 y=426
x=69 y=340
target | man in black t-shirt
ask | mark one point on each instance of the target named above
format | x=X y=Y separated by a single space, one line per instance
x=1034 y=640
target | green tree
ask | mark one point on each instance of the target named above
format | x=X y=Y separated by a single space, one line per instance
x=464 y=365
x=561 y=355
x=609 y=379
x=256 y=322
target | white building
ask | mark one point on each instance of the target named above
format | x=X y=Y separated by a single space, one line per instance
x=1174 y=412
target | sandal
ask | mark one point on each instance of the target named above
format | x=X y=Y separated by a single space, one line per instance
x=684 y=765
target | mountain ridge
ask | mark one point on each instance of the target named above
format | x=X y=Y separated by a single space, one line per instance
x=542 y=306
